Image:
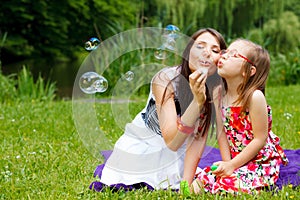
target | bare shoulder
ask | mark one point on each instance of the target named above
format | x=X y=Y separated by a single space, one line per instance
x=258 y=100
x=164 y=76
x=258 y=96
x=162 y=84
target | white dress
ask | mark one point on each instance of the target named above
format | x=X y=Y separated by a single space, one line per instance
x=141 y=156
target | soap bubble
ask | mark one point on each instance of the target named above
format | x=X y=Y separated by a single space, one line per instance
x=169 y=37
x=170 y=43
x=172 y=29
x=91 y=82
x=160 y=53
x=128 y=76
x=92 y=44
x=101 y=119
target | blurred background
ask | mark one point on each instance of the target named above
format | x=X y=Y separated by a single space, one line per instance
x=48 y=37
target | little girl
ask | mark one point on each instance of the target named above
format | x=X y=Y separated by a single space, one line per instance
x=251 y=154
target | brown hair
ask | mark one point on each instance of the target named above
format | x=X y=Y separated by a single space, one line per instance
x=185 y=95
x=261 y=60
x=185 y=70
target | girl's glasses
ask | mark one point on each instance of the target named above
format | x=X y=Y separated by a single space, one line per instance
x=234 y=53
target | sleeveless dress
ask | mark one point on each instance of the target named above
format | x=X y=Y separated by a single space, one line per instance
x=260 y=172
x=140 y=155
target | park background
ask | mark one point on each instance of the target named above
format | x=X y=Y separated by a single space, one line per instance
x=49 y=36
x=42 y=48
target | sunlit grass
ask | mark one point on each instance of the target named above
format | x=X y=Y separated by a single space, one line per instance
x=285 y=103
x=43 y=157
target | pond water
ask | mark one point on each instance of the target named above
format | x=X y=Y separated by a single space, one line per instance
x=62 y=73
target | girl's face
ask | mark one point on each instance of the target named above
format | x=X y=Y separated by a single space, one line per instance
x=232 y=60
x=205 y=54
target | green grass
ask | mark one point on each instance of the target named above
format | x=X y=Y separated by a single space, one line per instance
x=285 y=103
x=43 y=157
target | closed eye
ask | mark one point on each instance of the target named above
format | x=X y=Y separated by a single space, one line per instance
x=199 y=46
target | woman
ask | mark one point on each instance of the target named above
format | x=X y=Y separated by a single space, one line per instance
x=152 y=149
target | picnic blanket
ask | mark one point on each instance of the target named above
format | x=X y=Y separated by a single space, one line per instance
x=289 y=174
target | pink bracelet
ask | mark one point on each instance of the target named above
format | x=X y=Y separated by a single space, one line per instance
x=184 y=128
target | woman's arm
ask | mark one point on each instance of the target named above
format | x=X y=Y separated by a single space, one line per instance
x=195 y=149
x=166 y=109
x=223 y=146
x=221 y=136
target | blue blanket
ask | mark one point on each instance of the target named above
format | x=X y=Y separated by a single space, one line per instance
x=289 y=174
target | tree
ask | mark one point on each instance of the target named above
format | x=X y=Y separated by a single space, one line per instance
x=57 y=29
x=283 y=33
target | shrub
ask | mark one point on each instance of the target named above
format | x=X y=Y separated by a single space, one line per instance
x=27 y=89
x=285 y=68
x=23 y=87
x=7 y=87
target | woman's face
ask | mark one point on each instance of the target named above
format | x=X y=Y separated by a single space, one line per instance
x=205 y=54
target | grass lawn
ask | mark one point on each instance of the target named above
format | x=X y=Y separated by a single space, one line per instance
x=43 y=156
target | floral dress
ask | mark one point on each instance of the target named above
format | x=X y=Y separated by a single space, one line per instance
x=260 y=172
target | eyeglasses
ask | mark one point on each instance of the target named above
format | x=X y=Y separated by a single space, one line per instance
x=234 y=53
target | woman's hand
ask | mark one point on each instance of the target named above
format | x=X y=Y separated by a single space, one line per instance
x=197 y=83
x=225 y=168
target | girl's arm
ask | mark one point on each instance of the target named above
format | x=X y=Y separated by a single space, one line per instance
x=259 y=120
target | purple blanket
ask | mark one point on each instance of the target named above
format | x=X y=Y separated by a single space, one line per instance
x=289 y=174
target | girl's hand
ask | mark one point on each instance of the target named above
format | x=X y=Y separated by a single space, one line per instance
x=197 y=84
x=225 y=168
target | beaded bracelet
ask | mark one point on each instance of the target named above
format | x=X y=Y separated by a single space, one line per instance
x=184 y=128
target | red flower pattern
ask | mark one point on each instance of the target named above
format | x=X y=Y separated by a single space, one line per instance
x=261 y=171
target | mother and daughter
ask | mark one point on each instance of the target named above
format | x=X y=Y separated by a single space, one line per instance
x=164 y=143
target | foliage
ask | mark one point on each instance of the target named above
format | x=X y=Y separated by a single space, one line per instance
x=285 y=68
x=281 y=37
x=282 y=33
x=7 y=87
x=143 y=64
x=293 y=6
x=44 y=159
x=23 y=87
x=232 y=18
x=53 y=29
x=28 y=89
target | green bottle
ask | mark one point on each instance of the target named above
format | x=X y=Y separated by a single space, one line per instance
x=213 y=167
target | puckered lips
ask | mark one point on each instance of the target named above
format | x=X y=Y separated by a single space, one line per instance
x=220 y=64
x=204 y=63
